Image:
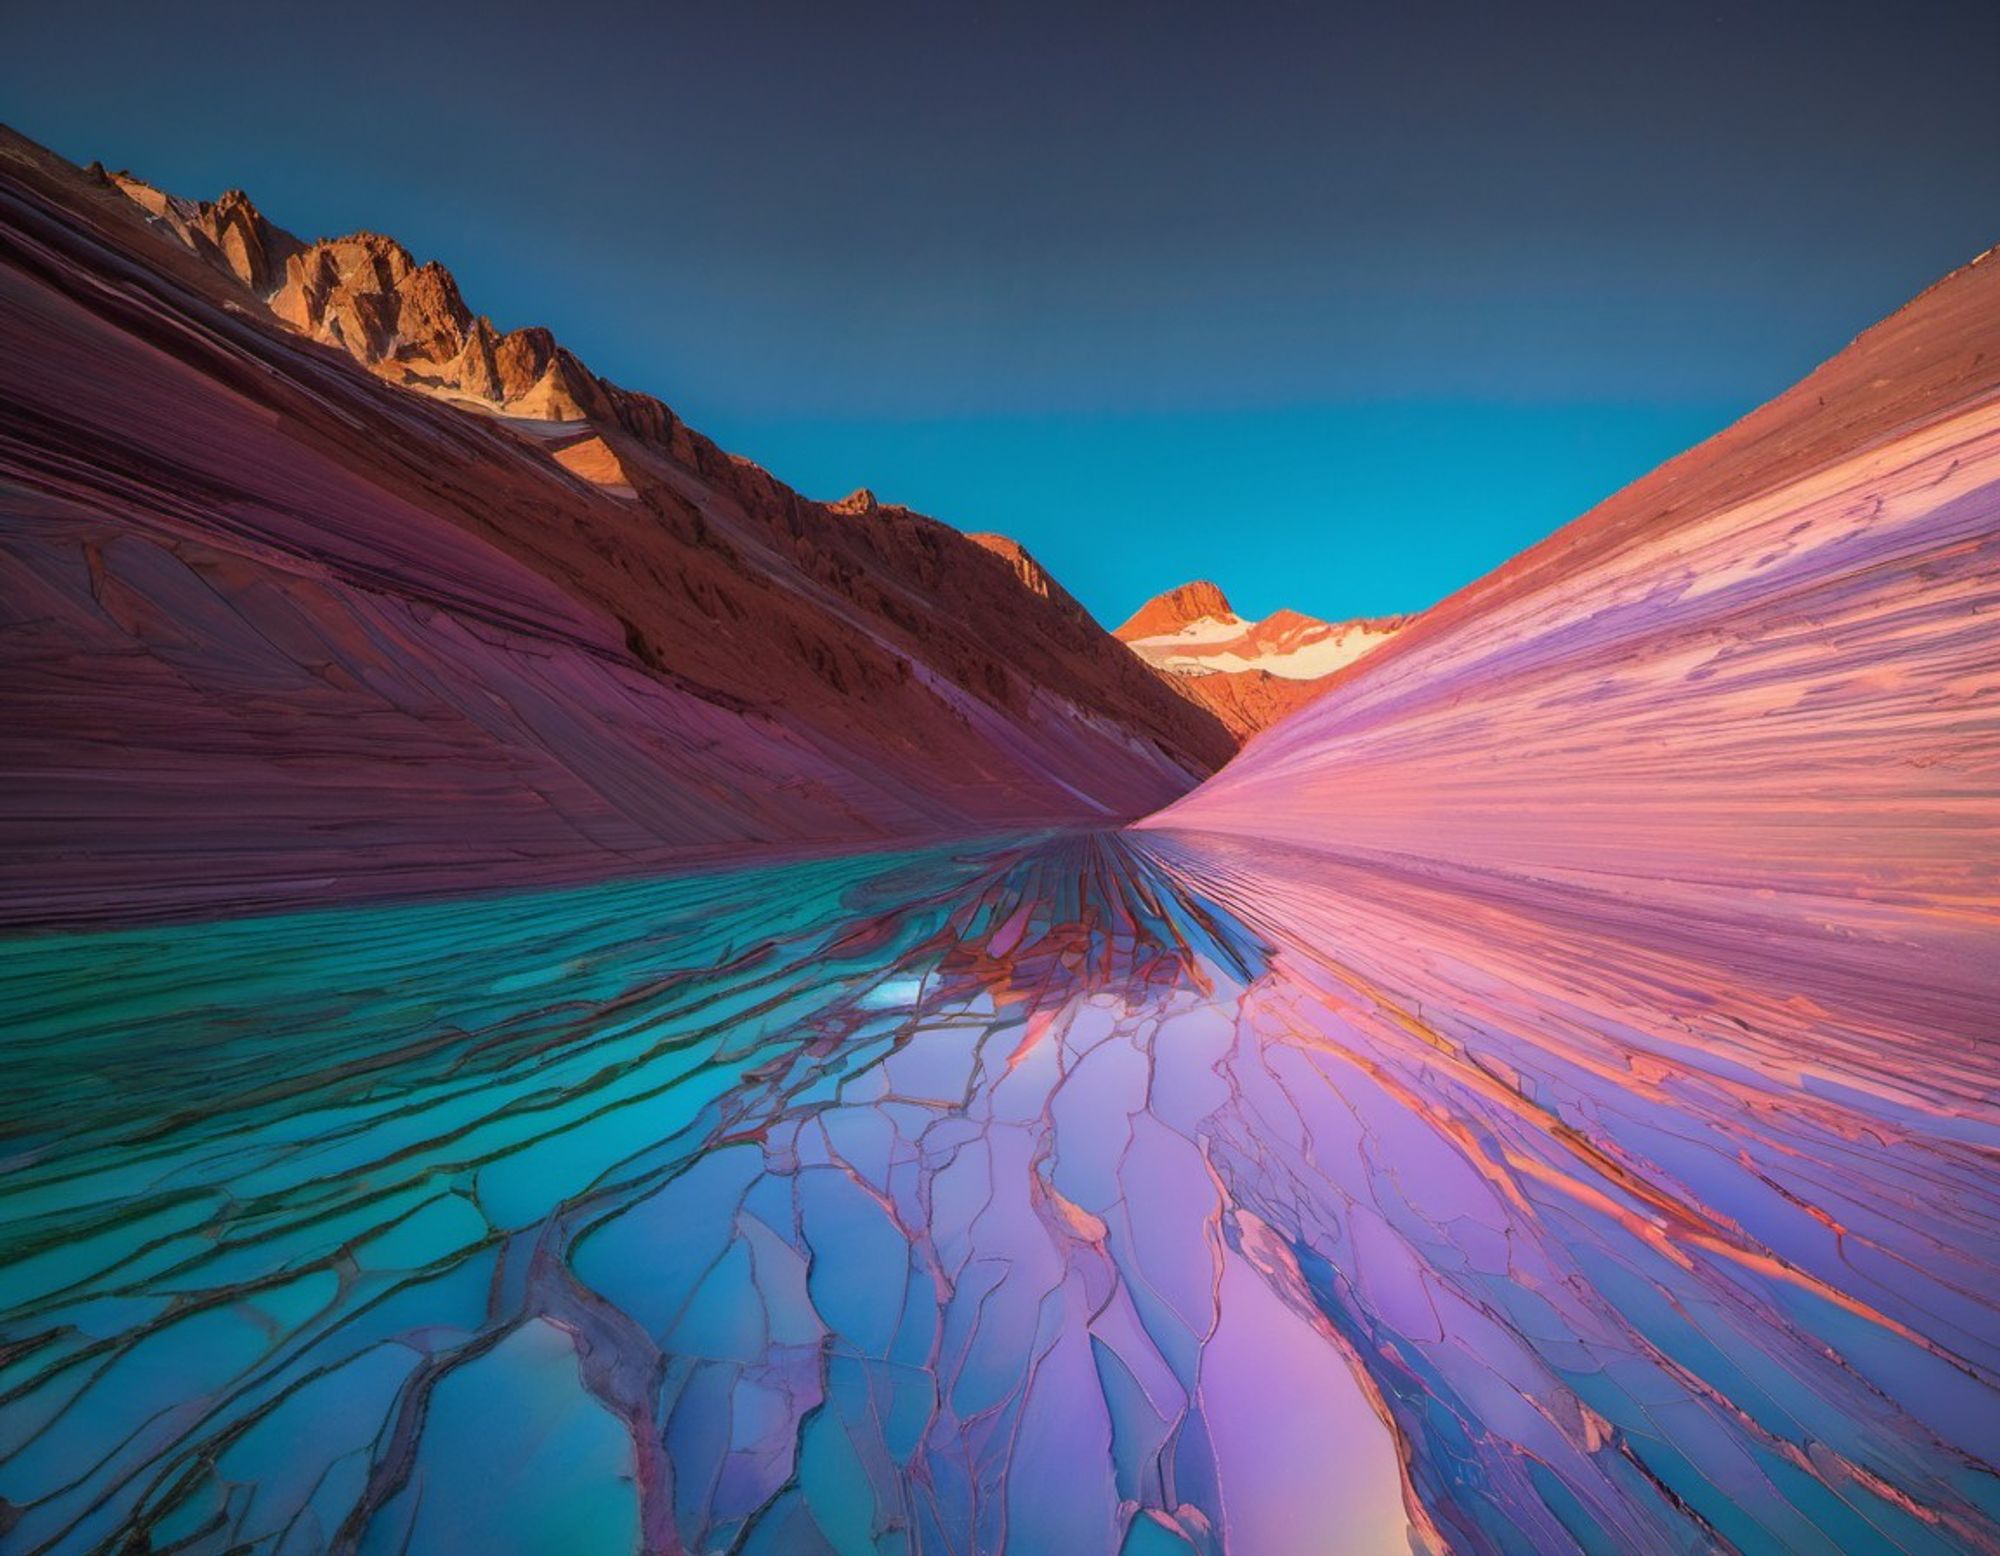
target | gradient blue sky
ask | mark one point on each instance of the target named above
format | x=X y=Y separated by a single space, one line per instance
x=1339 y=306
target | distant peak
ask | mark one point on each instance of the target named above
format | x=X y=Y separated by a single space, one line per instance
x=1173 y=610
x=1196 y=600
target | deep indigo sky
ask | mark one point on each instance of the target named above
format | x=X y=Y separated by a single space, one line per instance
x=1339 y=306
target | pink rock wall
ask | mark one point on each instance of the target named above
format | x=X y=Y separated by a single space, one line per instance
x=1773 y=666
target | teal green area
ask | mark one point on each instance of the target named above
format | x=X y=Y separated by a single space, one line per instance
x=295 y=1175
x=1076 y=1193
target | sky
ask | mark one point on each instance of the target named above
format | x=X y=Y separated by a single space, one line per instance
x=1339 y=306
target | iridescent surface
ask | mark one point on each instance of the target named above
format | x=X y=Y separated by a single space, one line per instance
x=1146 y=1192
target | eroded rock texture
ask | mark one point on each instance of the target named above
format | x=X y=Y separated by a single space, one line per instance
x=1141 y=1192
x=287 y=616
x=1771 y=666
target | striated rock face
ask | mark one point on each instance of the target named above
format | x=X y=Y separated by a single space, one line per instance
x=1768 y=666
x=366 y=296
x=1249 y=674
x=1652 y=889
x=325 y=590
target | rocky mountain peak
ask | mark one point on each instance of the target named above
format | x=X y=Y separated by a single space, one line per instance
x=1173 y=610
x=859 y=501
x=230 y=232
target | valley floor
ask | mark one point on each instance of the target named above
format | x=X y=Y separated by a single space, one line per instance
x=1147 y=1192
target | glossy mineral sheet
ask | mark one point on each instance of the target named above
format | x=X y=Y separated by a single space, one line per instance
x=1150 y=1193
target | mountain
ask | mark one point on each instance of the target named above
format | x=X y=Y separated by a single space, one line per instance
x=1177 y=608
x=1193 y=631
x=1652 y=883
x=319 y=587
x=1768 y=667
x=1249 y=674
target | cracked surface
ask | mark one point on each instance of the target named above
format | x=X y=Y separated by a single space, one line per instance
x=1144 y=1192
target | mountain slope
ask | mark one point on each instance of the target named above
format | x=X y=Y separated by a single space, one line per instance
x=293 y=615
x=1656 y=878
x=1768 y=666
